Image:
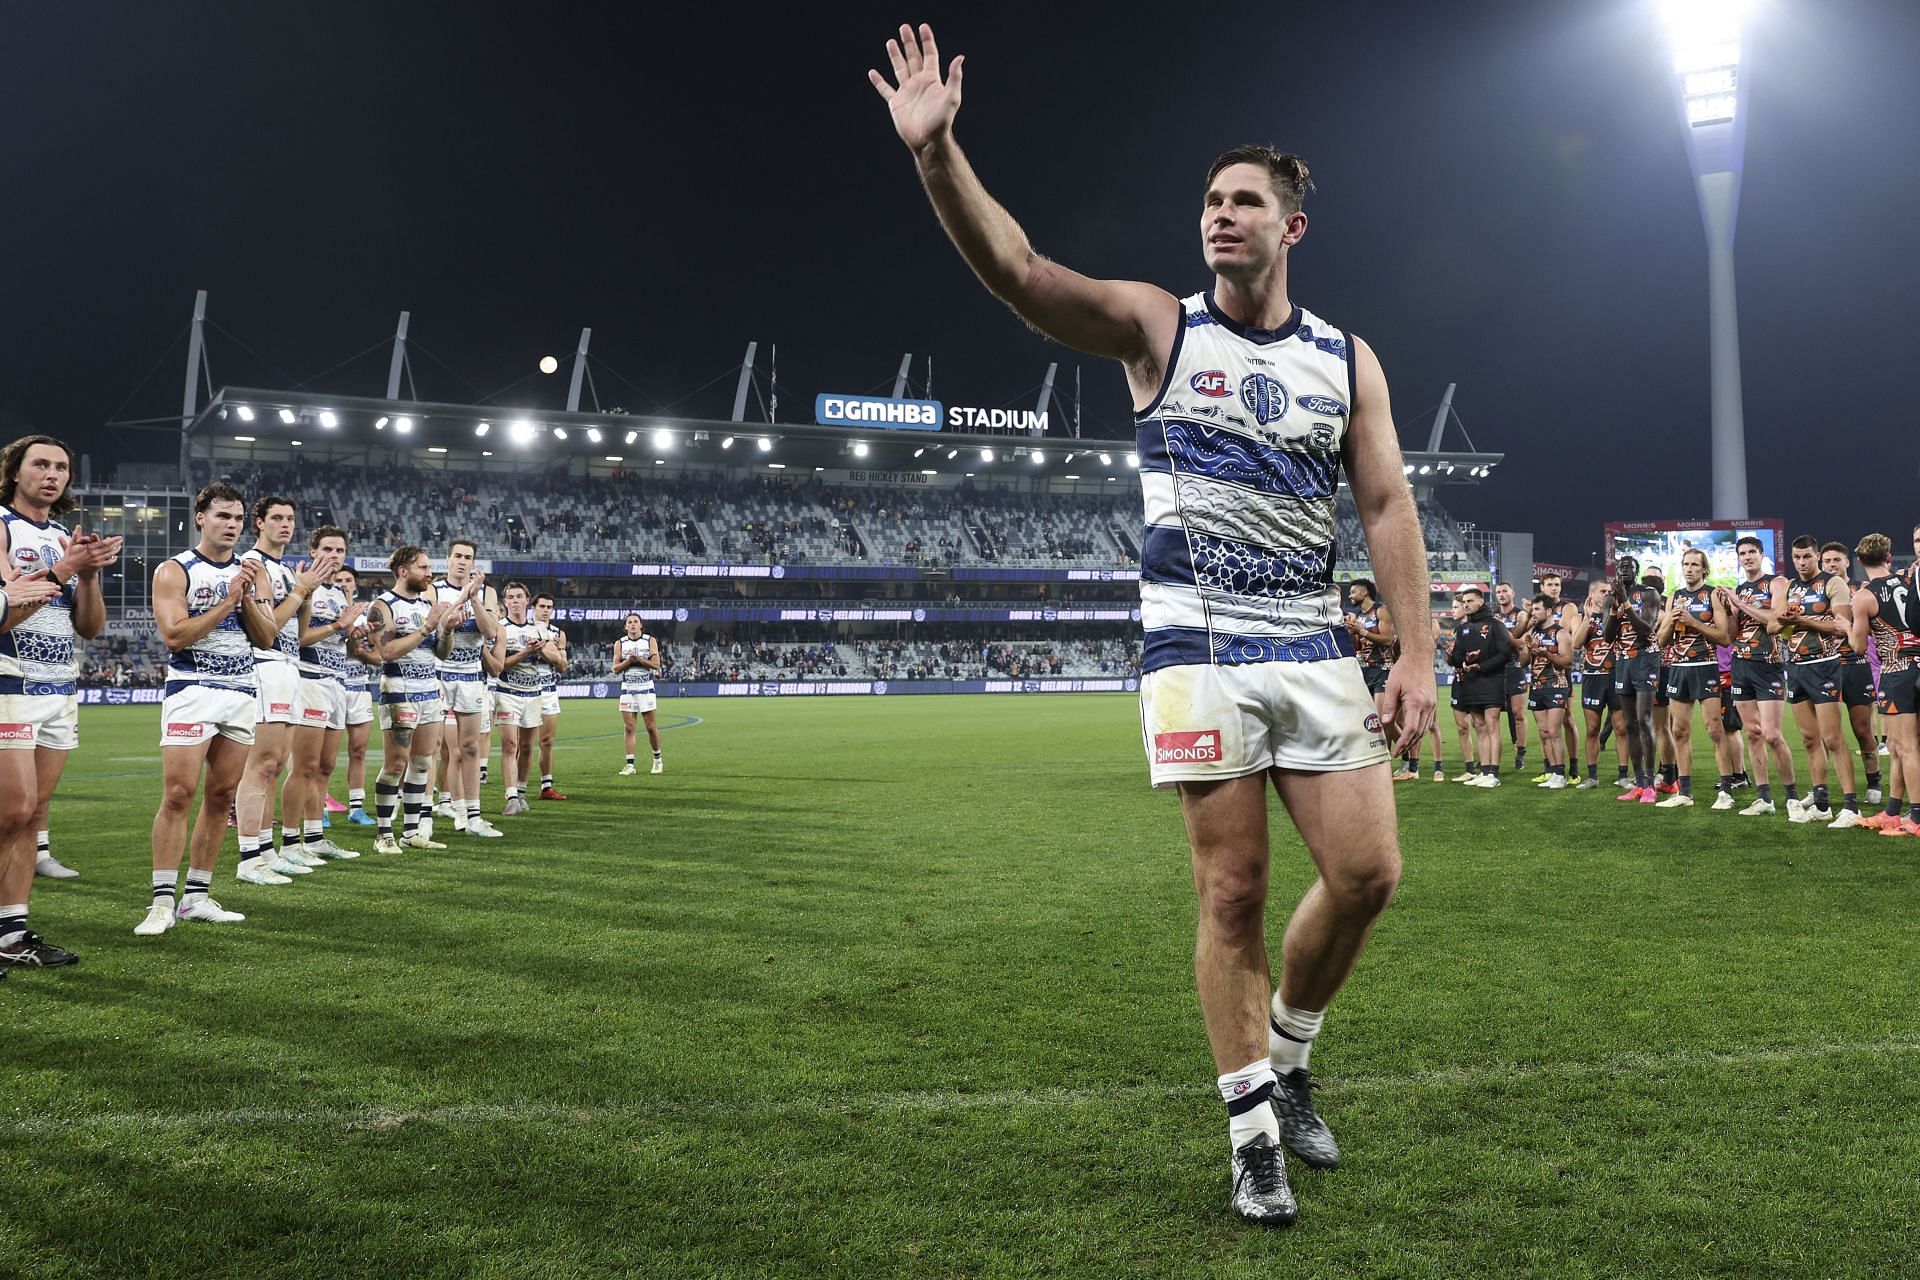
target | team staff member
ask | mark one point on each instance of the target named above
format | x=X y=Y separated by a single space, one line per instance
x=1513 y=616
x=1482 y=652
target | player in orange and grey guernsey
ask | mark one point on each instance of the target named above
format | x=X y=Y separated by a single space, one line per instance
x=1568 y=614
x=1598 y=698
x=1548 y=650
x=1820 y=610
x=1693 y=622
x=1634 y=609
x=1878 y=606
x=1856 y=676
x=1756 y=607
x=1375 y=644
x=1669 y=783
x=1513 y=616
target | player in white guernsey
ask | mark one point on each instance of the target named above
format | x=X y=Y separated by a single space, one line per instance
x=1248 y=410
x=463 y=686
x=636 y=660
x=39 y=662
x=363 y=686
x=519 y=650
x=277 y=672
x=325 y=622
x=403 y=620
x=550 y=673
x=208 y=605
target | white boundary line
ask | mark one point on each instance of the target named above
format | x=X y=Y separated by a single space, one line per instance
x=377 y=1118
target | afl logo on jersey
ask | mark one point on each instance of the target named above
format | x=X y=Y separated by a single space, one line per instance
x=24 y=556
x=1325 y=406
x=1264 y=397
x=1212 y=382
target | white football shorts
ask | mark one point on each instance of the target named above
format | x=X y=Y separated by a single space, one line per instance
x=198 y=712
x=29 y=720
x=1206 y=723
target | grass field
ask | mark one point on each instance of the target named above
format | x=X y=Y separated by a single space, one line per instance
x=901 y=987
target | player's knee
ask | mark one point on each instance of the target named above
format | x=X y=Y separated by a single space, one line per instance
x=16 y=812
x=176 y=798
x=1365 y=890
x=1235 y=899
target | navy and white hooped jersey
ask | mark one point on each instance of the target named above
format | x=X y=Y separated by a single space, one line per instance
x=1239 y=461
x=523 y=679
x=635 y=679
x=412 y=671
x=286 y=645
x=38 y=657
x=223 y=658
x=328 y=658
x=549 y=675
x=463 y=656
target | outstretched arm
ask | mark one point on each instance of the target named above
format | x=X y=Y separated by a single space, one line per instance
x=1124 y=320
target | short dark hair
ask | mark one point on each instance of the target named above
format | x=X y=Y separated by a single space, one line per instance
x=468 y=543
x=269 y=502
x=1841 y=547
x=347 y=568
x=1507 y=585
x=634 y=617
x=326 y=531
x=1874 y=550
x=403 y=556
x=544 y=595
x=14 y=456
x=1806 y=542
x=1545 y=600
x=1550 y=576
x=1367 y=583
x=1464 y=592
x=1288 y=172
x=218 y=491
x=1748 y=538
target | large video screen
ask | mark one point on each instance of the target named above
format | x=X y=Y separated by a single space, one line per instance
x=1659 y=544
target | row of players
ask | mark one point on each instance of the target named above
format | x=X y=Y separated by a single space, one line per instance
x=270 y=667
x=1820 y=640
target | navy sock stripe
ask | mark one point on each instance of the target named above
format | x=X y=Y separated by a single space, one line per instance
x=1283 y=1032
x=1240 y=1106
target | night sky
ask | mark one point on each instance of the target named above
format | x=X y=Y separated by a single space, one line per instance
x=1504 y=203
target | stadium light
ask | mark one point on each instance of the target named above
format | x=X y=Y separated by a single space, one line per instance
x=486 y=453
x=480 y=429
x=436 y=448
x=521 y=430
x=1133 y=460
x=917 y=452
x=1426 y=468
x=1106 y=459
x=727 y=443
x=630 y=437
x=593 y=435
x=287 y=417
x=403 y=424
x=766 y=444
x=245 y=439
x=1706 y=39
x=614 y=457
x=1039 y=458
x=986 y=455
x=559 y=433
x=294 y=443
x=663 y=439
x=952 y=454
x=379 y=423
x=328 y=420
x=929 y=472
x=1408 y=468
x=246 y=414
x=860 y=449
x=776 y=466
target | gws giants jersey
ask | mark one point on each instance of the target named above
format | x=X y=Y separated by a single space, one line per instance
x=223 y=658
x=1239 y=461
x=38 y=657
x=636 y=679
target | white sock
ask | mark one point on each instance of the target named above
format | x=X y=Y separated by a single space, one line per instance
x=1290 y=1034
x=311 y=830
x=1249 y=1114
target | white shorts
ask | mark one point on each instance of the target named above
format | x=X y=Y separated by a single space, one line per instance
x=638 y=702
x=197 y=712
x=1209 y=723
x=359 y=707
x=549 y=702
x=519 y=710
x=463 y=697
x=413 y=711
x=322 y=704
x=279 y=691
x=29 y=720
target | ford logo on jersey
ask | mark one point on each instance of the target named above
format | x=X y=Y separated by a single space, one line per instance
x=1264 y=397
x=1212 y=382
x=1325 y=406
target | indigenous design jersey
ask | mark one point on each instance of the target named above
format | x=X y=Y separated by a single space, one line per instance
x=1596 y=655
x=1545 y=641
x=1374 y=652
x=1848 y=654
x=223 y=658
x=412 y=671
x=286 y=645
x=636 y=679
x=328 y=658
x=1634 y=637
x=1815 y=600
x=523 y=678
x=38 y=657
x=1750 y=638
x=1239 y=461
x=1891 y=642
x=549 y=678
x=463 y=655
x=1688 y=645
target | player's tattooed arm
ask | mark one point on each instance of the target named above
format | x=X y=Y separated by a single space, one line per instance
x=1860 y=619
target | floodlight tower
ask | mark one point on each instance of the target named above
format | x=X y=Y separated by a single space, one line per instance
x=1711 y=87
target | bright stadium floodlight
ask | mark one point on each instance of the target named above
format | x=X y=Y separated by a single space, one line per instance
x=436 y=448
x=245 y=439
x=521 y=431
x=860 y=449
x=593 y=435
x=1426 y=469
x=246 y=414
x=1133 y=460
x=766 y=444
x=917 y=452
x=287 y=416
x=403 y=424
x=614 y=457
x=559 y=433
x=481 y=428
x=1106 y=459
x=986 y=455
x=328 y=420
x=1039 y=457
x=727 y=443
x=952 y=454
x=380 y=423
x=1706 y=38
x=663 y=439
x=630 y=437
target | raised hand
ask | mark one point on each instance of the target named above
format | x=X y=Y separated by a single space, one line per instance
x=28 y=592
x=437 y=613
x=350 y=615
x=319 y=572
x=922 y=105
